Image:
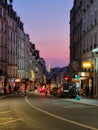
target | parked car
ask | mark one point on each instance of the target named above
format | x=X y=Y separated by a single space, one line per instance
x=54 y=91
x=67 y=90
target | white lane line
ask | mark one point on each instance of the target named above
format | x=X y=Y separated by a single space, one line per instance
x=6 y=118
x=73 y=106
x=10 y=122
x=61 y=118
x=4 y=112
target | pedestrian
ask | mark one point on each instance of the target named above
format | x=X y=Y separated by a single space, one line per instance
x=5 y=91
x=15 y=89
x=87 y=90
x=18 y=88
x=9 y=87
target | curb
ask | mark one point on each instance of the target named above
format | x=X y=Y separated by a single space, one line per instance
x=89 y=104
x=2 y=97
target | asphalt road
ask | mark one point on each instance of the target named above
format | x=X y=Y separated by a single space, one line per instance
x=39 y=112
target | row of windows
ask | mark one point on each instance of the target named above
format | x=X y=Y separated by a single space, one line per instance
x=2 y=12
x=90 y=42
x=12 y=36
x=12 y=49
x=2 y=41
x=3 y=27
x=12 y=60
x=2 y=67
x=12 y=24
x=90 y=21
x=12 y=72
x=21 y=65
x=2 y=55
x=21 y=74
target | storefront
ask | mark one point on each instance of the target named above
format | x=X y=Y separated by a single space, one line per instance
x=86 y=79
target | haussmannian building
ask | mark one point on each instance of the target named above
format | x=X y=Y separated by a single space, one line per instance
x=21 y=49
x=88 y=44
x=18 y=56
x=37 y=67
x=3 y=42
x=11 y=44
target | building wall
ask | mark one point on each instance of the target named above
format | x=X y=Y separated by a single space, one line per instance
x=90 y=38
x=3 y=49
x=27 y=39
x=16 y=53
x=3 y=38
x=75 y=37
x=86 y=40
x=21 y=50
x=11 y=43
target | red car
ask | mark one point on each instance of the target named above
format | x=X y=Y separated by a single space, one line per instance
x=43 y=90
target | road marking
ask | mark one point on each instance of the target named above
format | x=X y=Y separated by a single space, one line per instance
x=6 y=118
x=74 y=106
x=3 y=112
x=10 y=122
x=60 y=118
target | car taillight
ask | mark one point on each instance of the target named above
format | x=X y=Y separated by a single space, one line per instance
x=61 y=89
x=40 y=89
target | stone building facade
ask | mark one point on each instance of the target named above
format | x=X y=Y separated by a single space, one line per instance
x=15 y=49
x=88 y=38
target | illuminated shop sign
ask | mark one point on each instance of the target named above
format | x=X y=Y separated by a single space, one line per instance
x=17 y=80
x=87 y=65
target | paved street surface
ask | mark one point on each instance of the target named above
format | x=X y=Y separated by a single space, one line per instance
x=39 y=112
x=85 y=101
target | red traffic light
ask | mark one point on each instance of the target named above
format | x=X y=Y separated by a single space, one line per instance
x=66 y=78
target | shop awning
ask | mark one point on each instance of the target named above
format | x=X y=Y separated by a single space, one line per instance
x=85 y=74
x=78 y=80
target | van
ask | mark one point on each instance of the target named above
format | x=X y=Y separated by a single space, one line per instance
x=67 y=90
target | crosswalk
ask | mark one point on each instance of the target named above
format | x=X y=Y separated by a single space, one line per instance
x=7 y=118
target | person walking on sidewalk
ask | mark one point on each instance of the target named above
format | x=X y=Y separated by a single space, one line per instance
x=87 y=90
x=9 y=87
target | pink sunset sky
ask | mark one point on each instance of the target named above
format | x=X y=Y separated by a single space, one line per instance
x=47 y=23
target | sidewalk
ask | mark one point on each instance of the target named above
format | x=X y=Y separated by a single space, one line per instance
x=2 y=95
x=84 y=100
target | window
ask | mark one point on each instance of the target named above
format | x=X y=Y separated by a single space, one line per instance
x=95 y=39
x=91 y=42
x=0 y=11
x=0 y=53
x=1 y=40
x=95 y=17
x=91 y=20
x=1 y=26
x=87 y=44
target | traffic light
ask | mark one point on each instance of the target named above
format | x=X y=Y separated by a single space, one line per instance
x=66 y=78
x=77 y=76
